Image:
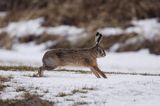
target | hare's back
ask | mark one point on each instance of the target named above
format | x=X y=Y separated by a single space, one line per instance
x=70 y=57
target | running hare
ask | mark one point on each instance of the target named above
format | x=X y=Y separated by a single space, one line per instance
x=76 y=57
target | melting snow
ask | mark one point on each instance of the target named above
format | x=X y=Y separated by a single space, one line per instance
x=23 y=28
x=34 y=27
x=109 y=31
x=118 y=90
x=149 y=28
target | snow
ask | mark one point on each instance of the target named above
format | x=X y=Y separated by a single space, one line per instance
x=140 y=61
x=23 y=28
x=148 y=28
x=114 y=47
x=3 y=14
x=109 y=31
x=23 y=54
x=65 y=30
x=34 y=27
x=121 y=90
x=72 y=33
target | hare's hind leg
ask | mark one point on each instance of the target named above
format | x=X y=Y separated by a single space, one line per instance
x=99 y=71
x=41 y=69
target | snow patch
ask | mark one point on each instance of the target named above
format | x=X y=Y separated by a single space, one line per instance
x=34 y=27
x=149 y=28
x=64 y=30
x=3 y=14
x=140 y=61
x=24 y=28
x=109 y=31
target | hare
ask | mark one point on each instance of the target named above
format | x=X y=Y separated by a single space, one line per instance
x=76 y=57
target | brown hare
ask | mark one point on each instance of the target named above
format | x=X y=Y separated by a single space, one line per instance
x=86 y=57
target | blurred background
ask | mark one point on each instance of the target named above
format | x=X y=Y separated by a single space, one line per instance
x=131 y=38
x=29 y=27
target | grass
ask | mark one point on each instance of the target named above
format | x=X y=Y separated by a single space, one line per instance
x=84 y=14
x=67 y=99
x=74 y=91
x=2 y=87
x=29 y=100
x=62 y=94
x=5 y=79
x=19 y=89
x=80 y=103
x=8 y=102
x=30 y=68
x=18 y=68
x=2 y=80
x=79 y=91
x=88 y=88
x=76 y=71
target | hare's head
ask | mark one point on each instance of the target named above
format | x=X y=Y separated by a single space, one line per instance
x=99 y=50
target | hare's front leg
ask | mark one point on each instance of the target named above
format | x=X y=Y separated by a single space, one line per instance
x=95 y=72
x=99 y=71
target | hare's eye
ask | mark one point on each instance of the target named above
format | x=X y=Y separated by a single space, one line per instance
x=100 y=51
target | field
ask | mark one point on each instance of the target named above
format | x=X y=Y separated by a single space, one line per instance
x=71 y=88
x=134 y=81
x=131 y=38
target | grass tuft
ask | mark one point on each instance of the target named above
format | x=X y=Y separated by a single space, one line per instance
x=80 y=103
x=18 y=68
x=29 y=100
x=30 y=68
x=88 y=88
x=2 y=87
x=2 y=80
x=62 y=94
x=79 y=91
x=19 y=89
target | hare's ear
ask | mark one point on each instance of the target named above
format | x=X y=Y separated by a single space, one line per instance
x=98 y=38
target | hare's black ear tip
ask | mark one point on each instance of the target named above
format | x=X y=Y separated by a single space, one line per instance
x=97 y=33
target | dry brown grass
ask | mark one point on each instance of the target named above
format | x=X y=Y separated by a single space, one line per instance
x=62 y=94
x=30 y=68
x=80 y=103
x=18 y=68
x=6 y=41
x=82 y=12
x=83 y=90
x=2 y=80
x=29 y=100
x=79 y=91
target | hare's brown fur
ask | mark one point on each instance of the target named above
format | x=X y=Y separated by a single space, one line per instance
x=86 y=57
